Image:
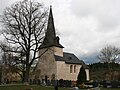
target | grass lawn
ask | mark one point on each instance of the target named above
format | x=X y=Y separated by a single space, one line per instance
x=38 y=87
x=24 y=87
x=110 y=89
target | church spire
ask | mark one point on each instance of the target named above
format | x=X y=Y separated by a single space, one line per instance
x=50 y=36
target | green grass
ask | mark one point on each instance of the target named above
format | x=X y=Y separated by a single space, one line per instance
x=110 y=88
x=38 y=87
x=24 y=87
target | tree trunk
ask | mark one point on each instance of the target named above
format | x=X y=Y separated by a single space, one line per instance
x=26 y=74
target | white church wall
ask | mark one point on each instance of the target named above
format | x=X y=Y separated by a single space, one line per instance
x=63 y=71
x=47 y=64
x=87 y=74
x=58 y=51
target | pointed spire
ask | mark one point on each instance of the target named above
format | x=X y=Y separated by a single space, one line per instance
x=50 y=36
x=50 y=27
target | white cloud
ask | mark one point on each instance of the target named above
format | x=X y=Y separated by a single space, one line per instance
x=106 y=11
x=85 y=26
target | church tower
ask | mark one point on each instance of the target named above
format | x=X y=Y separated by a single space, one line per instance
x=51 y=40
x=47 y=65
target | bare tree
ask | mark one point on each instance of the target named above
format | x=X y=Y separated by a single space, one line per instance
x=12 y=61
x=24 y=27
x=109 y=54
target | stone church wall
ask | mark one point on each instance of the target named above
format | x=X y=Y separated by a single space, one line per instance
x=63 y=71
x=87 y=74
x=58 y=51
x=47 y=64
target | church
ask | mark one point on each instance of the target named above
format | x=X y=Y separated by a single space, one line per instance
x=55 y=64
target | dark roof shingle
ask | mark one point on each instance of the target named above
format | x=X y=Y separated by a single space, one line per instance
x=70 y=58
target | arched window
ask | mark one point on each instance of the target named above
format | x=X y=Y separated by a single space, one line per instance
x=74 y=68
x=71 y=66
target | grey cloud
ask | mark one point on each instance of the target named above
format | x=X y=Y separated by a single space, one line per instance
x=106 y=11
x=83 y=7
x=6 y=3
x=90 y=58
x=84 y=25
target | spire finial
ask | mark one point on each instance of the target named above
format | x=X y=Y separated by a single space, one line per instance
x=50 y=7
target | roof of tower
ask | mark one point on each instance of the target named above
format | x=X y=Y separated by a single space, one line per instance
x=50 y=36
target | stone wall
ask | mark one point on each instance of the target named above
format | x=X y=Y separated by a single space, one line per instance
x=58 y=51
x=53 y=69
x=47 y=64
x=87 y=74
x=63 y=71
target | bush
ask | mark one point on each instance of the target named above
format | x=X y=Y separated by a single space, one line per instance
x=81 y=76
x=64 y=83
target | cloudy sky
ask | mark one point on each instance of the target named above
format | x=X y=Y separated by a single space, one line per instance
x=84 y=26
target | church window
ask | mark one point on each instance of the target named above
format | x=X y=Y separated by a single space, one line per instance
x=71 y=66
x=74 y=68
